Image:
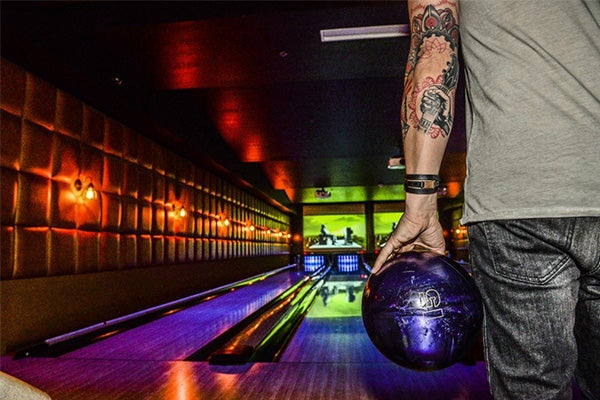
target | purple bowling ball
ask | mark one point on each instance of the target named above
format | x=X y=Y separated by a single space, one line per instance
x=422 y=310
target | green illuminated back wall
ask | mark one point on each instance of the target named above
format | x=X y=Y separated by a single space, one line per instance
x=336 y=224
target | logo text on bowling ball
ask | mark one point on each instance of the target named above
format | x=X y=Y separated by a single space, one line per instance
x=429 y=302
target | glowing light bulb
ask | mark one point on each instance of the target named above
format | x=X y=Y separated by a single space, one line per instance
x=90 y=193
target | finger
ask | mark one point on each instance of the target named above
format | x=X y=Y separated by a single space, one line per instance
x=433 y=240
x=381 y=258
x=407 y=247
x=384 y=254
x=420 y=246
x=406 y=232
x=396 y=243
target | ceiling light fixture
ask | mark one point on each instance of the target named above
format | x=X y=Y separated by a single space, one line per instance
x=365 y=32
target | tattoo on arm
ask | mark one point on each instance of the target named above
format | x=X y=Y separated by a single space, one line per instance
x=428 y=104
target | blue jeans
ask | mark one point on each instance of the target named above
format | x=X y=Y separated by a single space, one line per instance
x=540 y=282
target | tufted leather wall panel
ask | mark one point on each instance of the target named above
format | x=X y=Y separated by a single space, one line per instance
x=11 y=140
x=50 y=139
x=40 y=102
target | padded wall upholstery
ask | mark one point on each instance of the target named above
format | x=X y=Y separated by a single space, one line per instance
x=50 y=139
x=68 y=262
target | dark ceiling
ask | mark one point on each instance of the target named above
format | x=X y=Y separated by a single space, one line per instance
x=249 y=84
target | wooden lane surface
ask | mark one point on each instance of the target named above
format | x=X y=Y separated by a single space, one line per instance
x=176 y=336
x=332 y=340
x=333 y=330
x=86 y=379
x=328 y=359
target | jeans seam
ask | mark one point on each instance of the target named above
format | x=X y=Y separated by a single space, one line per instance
x=556 y=269
x=488 y=366
x=596 y=268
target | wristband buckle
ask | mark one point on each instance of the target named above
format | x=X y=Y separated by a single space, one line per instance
x=421 y=184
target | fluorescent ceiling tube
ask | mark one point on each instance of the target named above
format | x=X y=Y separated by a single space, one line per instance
x=364 y=32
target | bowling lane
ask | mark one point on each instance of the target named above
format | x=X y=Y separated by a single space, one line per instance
x=176 y=336
x=330 y=357
x=333 y=327
x=332 y=341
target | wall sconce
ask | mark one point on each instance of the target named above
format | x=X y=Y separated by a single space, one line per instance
x=223 y=221
x=179 y=211
x=85 y=189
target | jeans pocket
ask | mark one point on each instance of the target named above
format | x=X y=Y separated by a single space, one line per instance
x=528 y=250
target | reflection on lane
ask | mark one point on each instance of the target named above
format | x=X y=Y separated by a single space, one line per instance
x=340 y=296
x=333 y=330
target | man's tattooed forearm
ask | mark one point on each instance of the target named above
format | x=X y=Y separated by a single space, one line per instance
x=429 y=103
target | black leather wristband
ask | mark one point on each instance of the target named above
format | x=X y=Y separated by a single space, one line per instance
x=421 y=184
